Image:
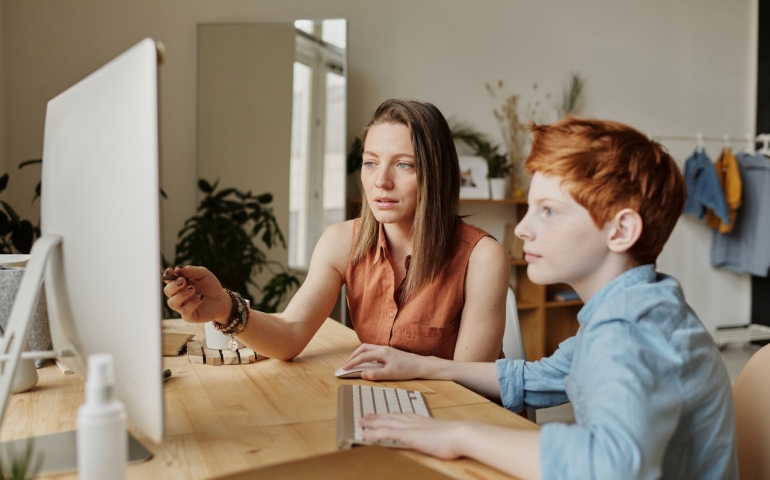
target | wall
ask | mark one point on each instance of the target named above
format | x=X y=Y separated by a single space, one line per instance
x=665 y=67
x=3 y=166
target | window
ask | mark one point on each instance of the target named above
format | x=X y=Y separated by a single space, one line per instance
x=318 y=140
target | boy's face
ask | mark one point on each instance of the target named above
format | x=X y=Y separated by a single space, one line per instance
x=561 y=241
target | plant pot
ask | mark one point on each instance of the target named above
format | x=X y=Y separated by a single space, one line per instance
x=25 y=375
x=497 y=188
x=39 y=331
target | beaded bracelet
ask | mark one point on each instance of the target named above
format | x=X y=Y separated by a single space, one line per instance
x=239 y=317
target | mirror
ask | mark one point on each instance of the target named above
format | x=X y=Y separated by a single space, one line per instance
x=272 y=118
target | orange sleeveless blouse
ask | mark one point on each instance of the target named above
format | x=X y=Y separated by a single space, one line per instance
x=429 y=321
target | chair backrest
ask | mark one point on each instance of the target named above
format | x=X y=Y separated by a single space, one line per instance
x=751 y=393
x=513 y=345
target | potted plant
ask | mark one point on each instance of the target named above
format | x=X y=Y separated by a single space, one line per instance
x=498 y=166
x=229 y=235
x=24 y=465
x=16 y=234
x=16 y=237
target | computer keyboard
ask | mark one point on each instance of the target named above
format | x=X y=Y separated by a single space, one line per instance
x=356 y=401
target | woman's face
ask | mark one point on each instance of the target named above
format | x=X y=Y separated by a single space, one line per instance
x=389 y=174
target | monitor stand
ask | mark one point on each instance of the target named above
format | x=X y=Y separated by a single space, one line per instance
x=58 y=451
x=21 y=313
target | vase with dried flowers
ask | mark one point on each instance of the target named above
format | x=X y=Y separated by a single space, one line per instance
x=514 y=128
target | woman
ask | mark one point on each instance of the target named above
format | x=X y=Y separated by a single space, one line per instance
x=418 y=278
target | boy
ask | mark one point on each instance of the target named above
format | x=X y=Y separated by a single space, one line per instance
x=651 y=396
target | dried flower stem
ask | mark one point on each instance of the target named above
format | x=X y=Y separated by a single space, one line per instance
x=513 y=126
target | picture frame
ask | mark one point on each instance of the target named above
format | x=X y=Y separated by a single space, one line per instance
x=473 y=177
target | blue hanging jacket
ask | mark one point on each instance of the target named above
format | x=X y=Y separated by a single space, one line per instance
x=703 y=188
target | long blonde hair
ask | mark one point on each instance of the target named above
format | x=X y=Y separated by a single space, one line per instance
x=438 y=200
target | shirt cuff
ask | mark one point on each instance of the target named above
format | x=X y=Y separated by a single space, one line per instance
x=510 y=374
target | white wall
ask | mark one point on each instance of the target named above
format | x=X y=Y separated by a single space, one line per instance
x=665 y=67
x=3 y=166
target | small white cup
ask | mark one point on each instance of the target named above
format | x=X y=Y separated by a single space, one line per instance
x=217 y=340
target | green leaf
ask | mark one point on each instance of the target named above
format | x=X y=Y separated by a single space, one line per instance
x=5 y=224
x=23 y=237
x=3 y=182
x=355 y=158
x=265 y=198
x=275 y=290
x=30 y=162
x=224 y=193
x=205 y=186
x=11 y=212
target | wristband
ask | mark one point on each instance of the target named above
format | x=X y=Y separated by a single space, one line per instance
x=239 y=317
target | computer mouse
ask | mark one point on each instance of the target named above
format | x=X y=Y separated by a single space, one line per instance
x=355 y=372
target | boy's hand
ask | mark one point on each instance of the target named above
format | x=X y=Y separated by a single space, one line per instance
x=399 y=365
x=439 y=438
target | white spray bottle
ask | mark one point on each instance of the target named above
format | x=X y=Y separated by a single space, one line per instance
x=102 y=438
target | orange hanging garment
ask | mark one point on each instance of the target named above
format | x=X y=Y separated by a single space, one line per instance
x=730 y=178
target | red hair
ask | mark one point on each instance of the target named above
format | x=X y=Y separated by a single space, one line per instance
x=608 y=166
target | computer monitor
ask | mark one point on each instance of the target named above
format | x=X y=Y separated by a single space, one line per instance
x=100 y=243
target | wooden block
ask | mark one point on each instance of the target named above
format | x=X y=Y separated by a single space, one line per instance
x=212 y=356
x=175 y=325
x=247 y=355
x=195 y=352
x=173 y=342
x=230 y=357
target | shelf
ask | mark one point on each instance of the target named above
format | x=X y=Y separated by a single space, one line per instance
x=526 y=305
x=487 y=201
x=743 y=334
x=557 y=303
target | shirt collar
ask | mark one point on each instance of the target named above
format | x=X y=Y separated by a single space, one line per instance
x=637 y=275
x=382 y=249
x=382 y=246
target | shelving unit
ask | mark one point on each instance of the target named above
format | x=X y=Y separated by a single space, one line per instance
x=545 y=322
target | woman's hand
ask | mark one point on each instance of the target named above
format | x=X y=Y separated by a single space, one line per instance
x=439 y=438
x=399 y=365
x=197 y=295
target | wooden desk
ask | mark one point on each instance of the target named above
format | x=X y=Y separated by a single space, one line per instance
x=230 y=418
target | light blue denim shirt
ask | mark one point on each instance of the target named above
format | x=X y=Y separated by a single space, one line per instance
x=651 y=395
x=704 y=190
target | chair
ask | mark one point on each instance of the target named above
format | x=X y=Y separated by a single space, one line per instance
x=751 y=393
x=513 y=344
